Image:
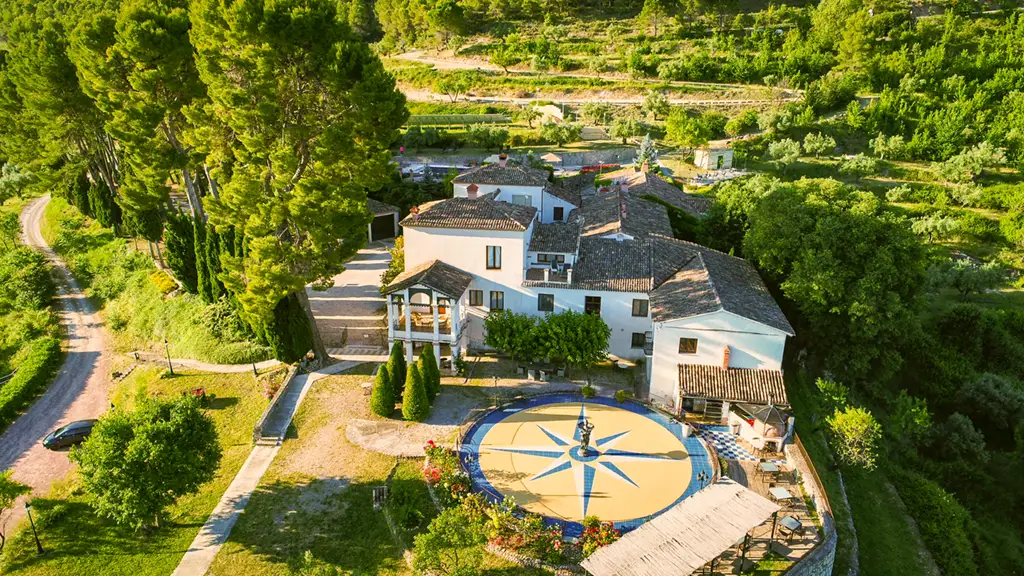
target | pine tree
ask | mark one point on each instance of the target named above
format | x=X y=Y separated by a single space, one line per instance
x=213 y=263
x=647 y=154
x=429 y=371
x=382 y=399
x=396 y=367
x=415 y=405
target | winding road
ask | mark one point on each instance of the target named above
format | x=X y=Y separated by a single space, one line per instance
x=78 y=392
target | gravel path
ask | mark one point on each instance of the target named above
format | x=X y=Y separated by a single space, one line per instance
x=79 y=390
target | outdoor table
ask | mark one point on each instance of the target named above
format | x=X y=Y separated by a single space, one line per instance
x=766 y=468
x=781 y=494
x=791 y=525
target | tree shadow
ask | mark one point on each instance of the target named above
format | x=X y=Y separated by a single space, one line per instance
x=284 y=519
x=220 y=403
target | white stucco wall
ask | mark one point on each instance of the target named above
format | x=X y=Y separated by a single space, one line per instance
x=544 y=203
x=467 y=250
x=752 y=345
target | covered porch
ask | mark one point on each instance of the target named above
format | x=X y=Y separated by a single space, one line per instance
x=426 y=306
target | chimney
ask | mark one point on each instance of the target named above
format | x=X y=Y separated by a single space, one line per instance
x=503 y=160
x=725 y=358
x=414 y=210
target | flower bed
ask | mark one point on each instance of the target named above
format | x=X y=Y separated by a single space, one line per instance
x=522 y=534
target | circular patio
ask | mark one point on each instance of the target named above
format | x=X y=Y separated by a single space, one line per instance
x=638 y=463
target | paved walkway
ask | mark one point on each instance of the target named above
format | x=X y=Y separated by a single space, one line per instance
x=350 y=313
x=155 y=358
x=215 y=531
x=79 y=390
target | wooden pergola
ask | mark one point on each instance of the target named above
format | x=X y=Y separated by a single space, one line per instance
x=687 y=536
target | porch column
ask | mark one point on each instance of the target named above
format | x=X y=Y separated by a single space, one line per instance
x=408 y=326
x=391 y=319
x=433 y=309
x=369 y=231
x=456 y=319
x=437 y=353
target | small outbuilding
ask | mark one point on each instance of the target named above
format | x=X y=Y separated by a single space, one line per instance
x=385 y=220
x=712 y=158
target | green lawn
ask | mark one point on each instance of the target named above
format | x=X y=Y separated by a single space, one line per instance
x=80 y=543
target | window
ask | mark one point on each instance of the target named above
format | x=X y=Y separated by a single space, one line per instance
x=592 y=305
x=551 y=258
x=559 y=213
x=494 y=257
x=687 y=345
x=546 y=302
x=640 y=308
x=522 y=200
x=476 y=297
x=638 y=340
x=497 y=300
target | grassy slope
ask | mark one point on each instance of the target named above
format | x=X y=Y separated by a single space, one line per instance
x=139 y=317
x=79 y=542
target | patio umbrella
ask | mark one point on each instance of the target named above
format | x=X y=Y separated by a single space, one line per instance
x=551 y=157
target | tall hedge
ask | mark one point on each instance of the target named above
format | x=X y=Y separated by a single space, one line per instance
x=212 y=248
x=382 y=398
x=33 y=374
x=429 y=371
x=103 y=206
x=179 y=241
x=396 y=367
x=945 y=524
x=415 y=405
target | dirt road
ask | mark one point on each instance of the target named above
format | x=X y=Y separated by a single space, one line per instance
x=78 y=392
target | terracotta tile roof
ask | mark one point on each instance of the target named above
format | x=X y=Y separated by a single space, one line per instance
x=509 y=175
x=481 y=214
x=709 y=281
x=379 y=208
x=614 y=211
x=444 y=278
x=571 y=189
x=606 y=264
x=644 y=184
x=733 y=385
x=563 y=237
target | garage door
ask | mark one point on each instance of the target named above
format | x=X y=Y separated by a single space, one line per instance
x=383 y=227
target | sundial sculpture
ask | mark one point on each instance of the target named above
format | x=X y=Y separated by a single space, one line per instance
x=586 y=428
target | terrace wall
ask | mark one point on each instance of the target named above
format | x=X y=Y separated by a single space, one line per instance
x=820 y=560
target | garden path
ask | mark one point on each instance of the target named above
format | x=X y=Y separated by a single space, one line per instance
x=215 y=531
x=79 y=391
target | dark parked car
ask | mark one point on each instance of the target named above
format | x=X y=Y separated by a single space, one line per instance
x=69 y=435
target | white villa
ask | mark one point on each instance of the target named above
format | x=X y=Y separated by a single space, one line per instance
x=709 y=331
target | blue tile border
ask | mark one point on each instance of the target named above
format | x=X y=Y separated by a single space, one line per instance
x=699 y=458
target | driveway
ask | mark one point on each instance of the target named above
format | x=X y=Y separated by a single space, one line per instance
x=79 y=390
x=350 y=314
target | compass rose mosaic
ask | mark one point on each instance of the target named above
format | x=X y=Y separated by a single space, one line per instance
x=637 y=465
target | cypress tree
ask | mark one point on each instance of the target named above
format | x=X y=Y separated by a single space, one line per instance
x=202 y=272
x=431 y=374
x=396 y=367
x=415 y=405
x=213 y=263
x=288 y=333
x=382 y=399
x=179 y=238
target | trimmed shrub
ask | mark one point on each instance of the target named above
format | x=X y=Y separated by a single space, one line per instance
x=33 y=374
x=382 y=399
x=622 y=395
x=415 y=405
x=945 y=525
x=588 y=391
x=430 y=372
x=396 y=368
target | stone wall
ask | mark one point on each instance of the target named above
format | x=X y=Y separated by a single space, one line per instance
x=625 y=155
x=819 y=561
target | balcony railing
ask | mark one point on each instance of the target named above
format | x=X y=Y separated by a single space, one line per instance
x=422 y=321
x=547 y=274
